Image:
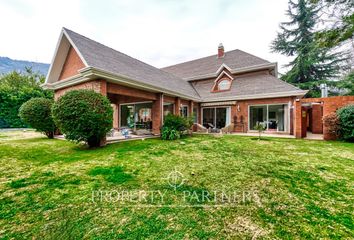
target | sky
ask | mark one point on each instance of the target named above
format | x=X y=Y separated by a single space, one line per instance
x=158 y=32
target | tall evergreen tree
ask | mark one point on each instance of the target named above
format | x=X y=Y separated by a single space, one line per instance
x=312 y=64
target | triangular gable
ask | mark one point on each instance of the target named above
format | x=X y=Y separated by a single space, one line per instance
x=66 y=56
x=223 y=73
x=72 y=64
x=223 y=67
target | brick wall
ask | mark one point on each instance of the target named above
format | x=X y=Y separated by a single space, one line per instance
x=157 y=109
x=91 y=85
x=71 y=65
x=316 y=124
x=330 y=105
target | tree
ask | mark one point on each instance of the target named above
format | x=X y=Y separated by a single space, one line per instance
x=312 y=64
x=260 y=127
x=83 y=115
x=37 y=113
x=339 y=18
x=347 y=84
x=17 y=88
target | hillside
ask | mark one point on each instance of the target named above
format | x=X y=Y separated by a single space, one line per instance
x=8 y=65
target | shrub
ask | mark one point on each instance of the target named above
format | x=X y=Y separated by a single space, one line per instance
x=37 y=113
x=175 y=126
x=331 y=122
x=83 y=115
x=260 y=127
x=346 y=122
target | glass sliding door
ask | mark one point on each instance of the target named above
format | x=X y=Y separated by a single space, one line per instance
x=136 y=116
x=216 y=117
x=209 y=117
x=258 y=114
x=274 y=117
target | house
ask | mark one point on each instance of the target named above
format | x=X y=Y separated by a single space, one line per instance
x=230 y=88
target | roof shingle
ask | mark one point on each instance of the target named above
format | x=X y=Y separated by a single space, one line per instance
x=235 y=59
x=102 y=57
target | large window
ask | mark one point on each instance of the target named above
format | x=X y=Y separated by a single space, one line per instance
x=274 y=117
x=168 y=108
x=195 y=114
x=216 y=117
x=184 y=111
x=136 y=116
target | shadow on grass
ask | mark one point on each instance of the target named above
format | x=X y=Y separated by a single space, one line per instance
x=261 y=139
x=113 y=174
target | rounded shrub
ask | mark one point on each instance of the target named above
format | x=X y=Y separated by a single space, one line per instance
x=83 y=115
x=346 y=122
x=36 y=112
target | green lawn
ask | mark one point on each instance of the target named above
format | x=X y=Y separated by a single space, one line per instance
x=293 y=189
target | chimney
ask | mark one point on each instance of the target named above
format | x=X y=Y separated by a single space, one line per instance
x=221 y=52
x=324 y=90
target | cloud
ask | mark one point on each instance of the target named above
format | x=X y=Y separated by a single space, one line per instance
x=157 y=32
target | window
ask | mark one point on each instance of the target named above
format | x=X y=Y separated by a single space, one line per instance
x=224 y=85
x=195 y=114
x=216 y=118
x=168 y=108
x=136 y=116
x=274 y=117
x=184 y=111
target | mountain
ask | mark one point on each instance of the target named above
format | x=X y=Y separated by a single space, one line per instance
x=8 y=65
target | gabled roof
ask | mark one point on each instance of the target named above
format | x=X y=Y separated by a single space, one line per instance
x=103 y=58
x=208 y=66
x=248 y=86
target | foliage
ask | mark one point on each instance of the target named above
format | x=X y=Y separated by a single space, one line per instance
x=347 y=84
x=339 y=18
x=83 y=115
x=346 y=122
x=331 y=122
x=260 y=127
x=174 y=126
x=36 y=112
x=312 y=64
x=170 y=133
x=17 y=88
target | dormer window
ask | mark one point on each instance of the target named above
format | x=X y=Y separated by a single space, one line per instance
x=224 y=84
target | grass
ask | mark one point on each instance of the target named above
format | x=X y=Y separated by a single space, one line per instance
x=294 y=189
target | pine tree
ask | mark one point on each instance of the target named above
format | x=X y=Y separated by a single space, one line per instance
x=312 y=64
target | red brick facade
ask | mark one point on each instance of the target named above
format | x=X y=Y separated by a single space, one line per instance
x=95 y=85
x=72 y=64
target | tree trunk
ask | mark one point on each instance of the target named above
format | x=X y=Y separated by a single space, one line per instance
x=93 y=142
x=50 y=135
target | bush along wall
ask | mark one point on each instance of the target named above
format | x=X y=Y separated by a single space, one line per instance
x=346 y=123
x=83 y=115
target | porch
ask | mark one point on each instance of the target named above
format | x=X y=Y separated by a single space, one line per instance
x=139 y=113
